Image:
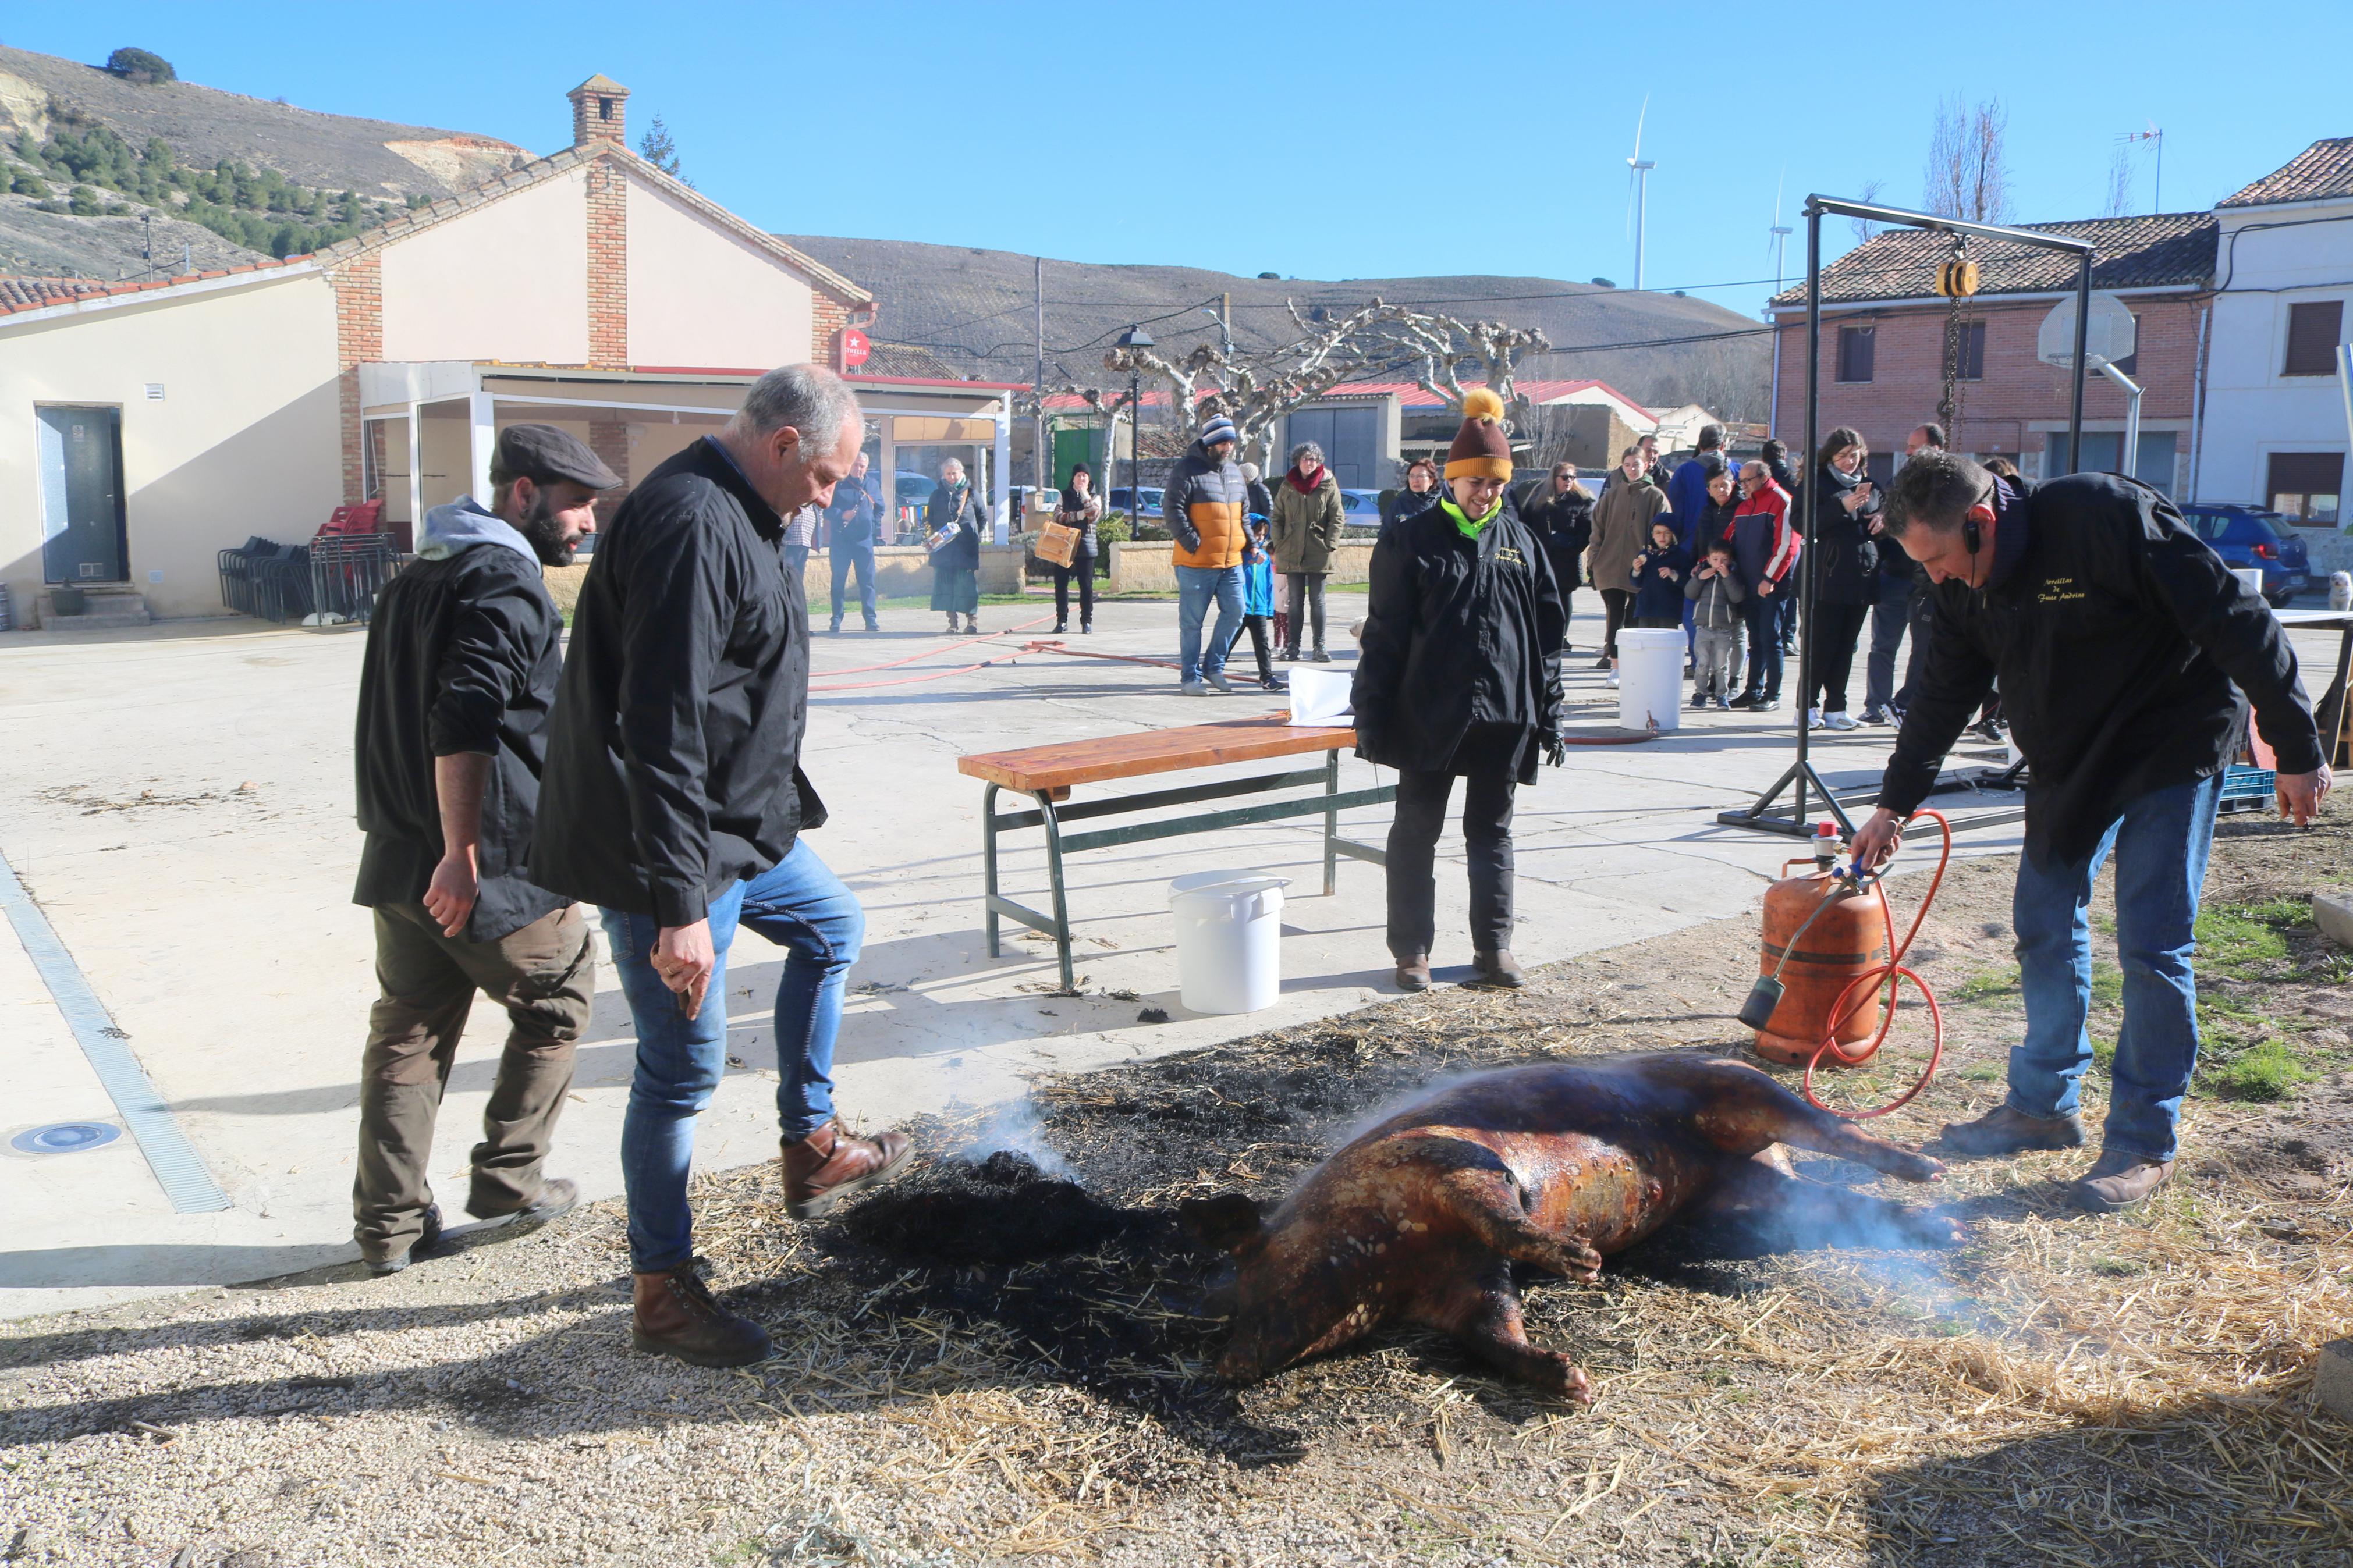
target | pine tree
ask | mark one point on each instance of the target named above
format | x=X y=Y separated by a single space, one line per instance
x=657 y=148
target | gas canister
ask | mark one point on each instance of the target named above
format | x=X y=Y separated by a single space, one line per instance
x=1822 y=934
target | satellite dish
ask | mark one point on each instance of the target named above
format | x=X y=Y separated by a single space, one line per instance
x=2110 y=336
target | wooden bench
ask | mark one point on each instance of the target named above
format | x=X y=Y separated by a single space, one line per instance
x=1048 y=775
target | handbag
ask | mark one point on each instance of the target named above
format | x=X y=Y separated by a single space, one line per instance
x=1057 y=543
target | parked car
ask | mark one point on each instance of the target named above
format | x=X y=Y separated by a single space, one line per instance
x=2245 y=536
x=915 y=490
x=1361 y=508
x=1149 y=512
x=1023 y=500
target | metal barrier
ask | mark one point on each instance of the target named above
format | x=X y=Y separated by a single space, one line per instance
x=347 y=573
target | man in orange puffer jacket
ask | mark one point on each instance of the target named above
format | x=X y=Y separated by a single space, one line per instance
x=1204 y=506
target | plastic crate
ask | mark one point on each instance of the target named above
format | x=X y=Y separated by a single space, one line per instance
x=2248 y=789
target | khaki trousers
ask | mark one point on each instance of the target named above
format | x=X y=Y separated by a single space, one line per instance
x=544 y=976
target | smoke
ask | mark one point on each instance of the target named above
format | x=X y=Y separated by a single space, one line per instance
x=1016 y=1126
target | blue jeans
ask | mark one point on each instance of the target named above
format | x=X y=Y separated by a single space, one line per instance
x=1195 y=587
x=804 y=908
x=1891 y=614
x=2160 y=843
x=860 y=556
x=1763 y=612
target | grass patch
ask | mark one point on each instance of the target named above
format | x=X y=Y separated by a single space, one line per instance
x=2103 y=1053
x=1983 y=1072
x=1991 y=986
x=2108 y=986
x=2244 y=941
x=2263 y=1072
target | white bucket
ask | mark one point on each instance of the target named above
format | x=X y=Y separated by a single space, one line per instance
x=1228 y=940
x=1651 y=678
x=2252 y=576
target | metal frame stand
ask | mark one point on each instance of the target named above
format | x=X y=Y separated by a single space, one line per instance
x=1801 y=775
x=1329 y=804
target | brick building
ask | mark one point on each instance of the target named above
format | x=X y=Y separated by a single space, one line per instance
x=1885 y=332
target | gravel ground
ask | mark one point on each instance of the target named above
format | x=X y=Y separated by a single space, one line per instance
x=994 y=1361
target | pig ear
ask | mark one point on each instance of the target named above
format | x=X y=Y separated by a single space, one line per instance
x=1228 y=1222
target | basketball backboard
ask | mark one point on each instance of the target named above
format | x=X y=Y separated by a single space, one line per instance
x=2109 y=337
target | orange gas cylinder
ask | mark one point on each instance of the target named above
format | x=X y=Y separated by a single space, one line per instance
x=1838 y=932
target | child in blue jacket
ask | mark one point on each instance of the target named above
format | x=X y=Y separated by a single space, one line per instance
x=1658 y=578
x=1258 y=599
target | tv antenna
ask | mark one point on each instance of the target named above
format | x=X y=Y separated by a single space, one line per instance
x=2155 y=137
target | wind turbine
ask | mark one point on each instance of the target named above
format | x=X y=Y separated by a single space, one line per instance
x=1638 y=188
x=1779 y=232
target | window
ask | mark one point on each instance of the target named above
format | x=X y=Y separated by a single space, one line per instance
x=2130 y=363
x=2312 y=332
x=1854 y=353
x=2104 y=454
x=1972 y=352
x=2305 y=486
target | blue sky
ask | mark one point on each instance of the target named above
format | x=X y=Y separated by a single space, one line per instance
x=1314 y=140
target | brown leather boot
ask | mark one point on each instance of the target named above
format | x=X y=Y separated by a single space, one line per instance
x=1499 y=968
x=1413 y=972
x=677 y=1315
x=824 y=1165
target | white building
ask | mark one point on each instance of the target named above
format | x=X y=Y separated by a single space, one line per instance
x=2274 y=428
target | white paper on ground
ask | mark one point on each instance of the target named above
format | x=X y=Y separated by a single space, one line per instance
x=1320 y=697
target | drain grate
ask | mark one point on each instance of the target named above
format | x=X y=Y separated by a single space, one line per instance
x=65 y=1137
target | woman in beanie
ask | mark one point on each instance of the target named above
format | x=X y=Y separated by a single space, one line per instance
x=1459 y=677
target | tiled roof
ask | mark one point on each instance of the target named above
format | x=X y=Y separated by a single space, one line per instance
x=532 y=173
x=19 y=294
x=908 y=361
x=2321 y=171
x=31 y=293
x=2153 y=251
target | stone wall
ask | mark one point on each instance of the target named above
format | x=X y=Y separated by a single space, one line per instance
x=1150 y=567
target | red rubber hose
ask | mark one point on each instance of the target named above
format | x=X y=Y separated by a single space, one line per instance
x=1893 y=972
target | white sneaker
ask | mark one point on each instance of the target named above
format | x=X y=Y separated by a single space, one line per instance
x=1839 y=720
x=1216 y=678
x=1194 y=688
x=1613 y=680
x=1813 y=718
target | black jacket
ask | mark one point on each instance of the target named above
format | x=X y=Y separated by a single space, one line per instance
x=2118 y=636
x=1261 y=499
x=1404 y=502
x=1659 y=599
x=1459 y=631
x=1565 y=523
x=673 y=755
x=1844 y=554
x=462 y=656
x=943 y=513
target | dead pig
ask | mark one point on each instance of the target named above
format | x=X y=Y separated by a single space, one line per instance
x=1556 y=1165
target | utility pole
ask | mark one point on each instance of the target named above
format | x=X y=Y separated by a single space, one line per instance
x=1038 y=383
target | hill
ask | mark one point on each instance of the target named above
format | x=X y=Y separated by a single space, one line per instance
x=976 y=308
x=64 y=125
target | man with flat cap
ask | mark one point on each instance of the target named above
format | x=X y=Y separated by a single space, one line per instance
x=463 y=653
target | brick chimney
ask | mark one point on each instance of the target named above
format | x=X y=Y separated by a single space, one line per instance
x=599 y=112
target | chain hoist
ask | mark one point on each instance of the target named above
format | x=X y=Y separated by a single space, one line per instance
x=1957 y=280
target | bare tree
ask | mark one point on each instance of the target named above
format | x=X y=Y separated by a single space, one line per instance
x=1255 y=388
x=1966 y=176
x=2120 y=183
x=1869 y=194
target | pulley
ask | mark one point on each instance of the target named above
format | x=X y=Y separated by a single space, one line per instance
x=1957 y=279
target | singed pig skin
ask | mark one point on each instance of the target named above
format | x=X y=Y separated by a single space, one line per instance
x=1556 y=1165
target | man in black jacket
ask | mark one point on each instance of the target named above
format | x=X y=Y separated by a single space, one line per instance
x=460 y=669
x=676 y=804
x=851 y=520
x=2123 y=645
x=1459 y=677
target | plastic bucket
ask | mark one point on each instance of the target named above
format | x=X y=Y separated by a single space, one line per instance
x=2252 y=576
x=1228 y=940
x=1651 y=678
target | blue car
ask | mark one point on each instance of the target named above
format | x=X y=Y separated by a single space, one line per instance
x=1148 y=512
x=2247 y=536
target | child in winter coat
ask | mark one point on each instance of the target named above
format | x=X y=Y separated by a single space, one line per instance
x=1258 y=599
x=1658 y=578
x=1715 y=593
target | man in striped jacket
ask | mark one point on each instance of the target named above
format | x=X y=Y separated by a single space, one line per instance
x=1766 y=548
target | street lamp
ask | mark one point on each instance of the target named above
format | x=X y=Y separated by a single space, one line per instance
x=1134 y=337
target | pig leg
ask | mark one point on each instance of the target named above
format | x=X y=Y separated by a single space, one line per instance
x=1487 y=1201
x=1745 y=1109
x=1482 y=1311
x=1763 y=1189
